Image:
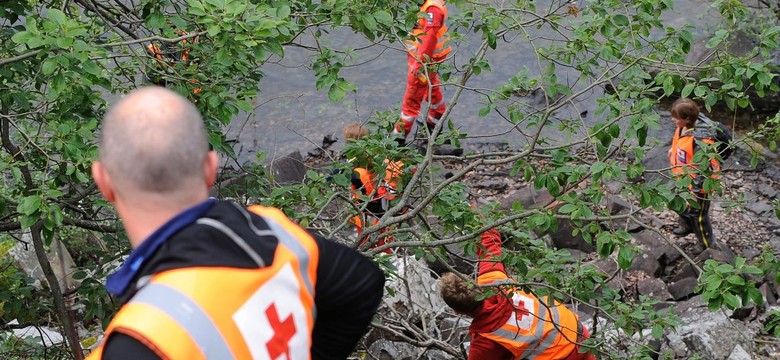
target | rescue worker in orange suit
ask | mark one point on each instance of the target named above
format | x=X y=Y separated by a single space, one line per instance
x=512 y=324
x=366 y=183
x=429 y=45
x=208 y=278
x=685 y=143
x=167 y=55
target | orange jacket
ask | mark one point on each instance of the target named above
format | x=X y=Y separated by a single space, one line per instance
x=682 y=151
x=259 y=313
x=442 y=48
x=528 y=327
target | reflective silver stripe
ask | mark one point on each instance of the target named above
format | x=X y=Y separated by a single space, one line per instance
x=189 y=316
x=292 y=243
x=405 y=117
x=233 y=236
x=436 y=106
x=248 y=218
x=552 y=335
x=527 y=339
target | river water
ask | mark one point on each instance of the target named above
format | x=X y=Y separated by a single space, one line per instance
x=291 y=115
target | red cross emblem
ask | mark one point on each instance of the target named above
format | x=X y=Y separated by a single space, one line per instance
x=283 y=332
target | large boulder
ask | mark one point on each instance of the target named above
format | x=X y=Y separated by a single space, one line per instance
x=61 y=262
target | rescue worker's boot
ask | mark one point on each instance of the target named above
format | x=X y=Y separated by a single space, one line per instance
x=683 y=228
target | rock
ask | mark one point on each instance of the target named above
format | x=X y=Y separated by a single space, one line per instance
x=739 y=353
x=618 y=206
x=759 y=207
x=770 y=298
x=743 y=313
x=416 y=292
x=497 y=185
x=657 y=159
x=454 y=330
x=607 y=266
x=711 y=335
x=61 y=262
x=562 y=238
x=767 y=190
x=395 y=350
x=654 y=288
x=683 y=288
x=528 y=197
x=647 y=264
x=288 y=169
x=41 y=335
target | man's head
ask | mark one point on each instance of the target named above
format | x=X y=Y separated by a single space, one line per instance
x=354 y=131
x=459 y=295
x=154 y=151
x=685 y=112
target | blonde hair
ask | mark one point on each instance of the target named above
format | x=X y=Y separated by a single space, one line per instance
x=458 y=294
x=355 y=131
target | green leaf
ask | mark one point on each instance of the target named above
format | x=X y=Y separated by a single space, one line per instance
x=383 y=17
x=29 y=205
x=55 y=15
x=213 y=30
x=22 y=37
x=49 y=66
x=687 y=90
x=155 y=20
x=335 y=93
x=620 y=20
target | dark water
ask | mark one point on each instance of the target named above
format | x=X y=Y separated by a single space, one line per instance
x=293 y=116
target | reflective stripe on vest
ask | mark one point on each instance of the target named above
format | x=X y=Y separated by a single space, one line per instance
x=538 y=334
x=442 y=48
x=188 y=315
x=225 y=312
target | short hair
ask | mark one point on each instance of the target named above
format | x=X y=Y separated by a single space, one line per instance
x=355 y=131
x=458 y=295
x=685 y=109
x=155 y=141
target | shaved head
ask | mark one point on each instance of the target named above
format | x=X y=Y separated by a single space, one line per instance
x=154 y=141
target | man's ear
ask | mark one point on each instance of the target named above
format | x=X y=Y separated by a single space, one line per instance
x=210 y=168
x=103 y=181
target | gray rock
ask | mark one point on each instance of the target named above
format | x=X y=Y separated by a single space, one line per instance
x=767 y=190
x=683 y=288
x=657 y=159
x=647 y=264
x=528 y=197
x=770 y=298
x=61 y=262
x=711 y=335
x=739 y=353
x=759 y=207
x=416 y=292
x=743 y=313
x=288 y=169
x=562 y=238
x=607 y=266
x=41 y=335
x=654 y=288
x=396 y=350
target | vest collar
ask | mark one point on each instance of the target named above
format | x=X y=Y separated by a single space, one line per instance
x=118 y=282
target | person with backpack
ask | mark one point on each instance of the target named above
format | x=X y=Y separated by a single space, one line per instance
x=371 y=191
x=693 y=132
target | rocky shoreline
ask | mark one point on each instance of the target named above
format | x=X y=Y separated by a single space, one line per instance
x=743 y=221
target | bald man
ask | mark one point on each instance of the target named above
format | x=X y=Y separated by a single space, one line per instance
x=209 y=279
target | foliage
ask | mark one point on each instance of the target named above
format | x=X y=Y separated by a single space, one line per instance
x=61 y=60
x=726 y=284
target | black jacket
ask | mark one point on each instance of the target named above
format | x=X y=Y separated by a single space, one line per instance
x=347 y=293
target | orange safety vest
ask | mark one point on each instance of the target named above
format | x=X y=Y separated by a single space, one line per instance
x=682 y=151
x=230 y=313
x=544 y=331
x=442 y=48
x=388 y=187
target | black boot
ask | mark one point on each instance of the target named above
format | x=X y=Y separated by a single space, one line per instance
x=682 y=228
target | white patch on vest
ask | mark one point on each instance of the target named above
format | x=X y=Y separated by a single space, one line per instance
x=429 y=18
x=521 y=301
x=682 y=156
x=281 y=291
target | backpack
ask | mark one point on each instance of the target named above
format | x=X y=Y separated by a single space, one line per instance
x=718 y=132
